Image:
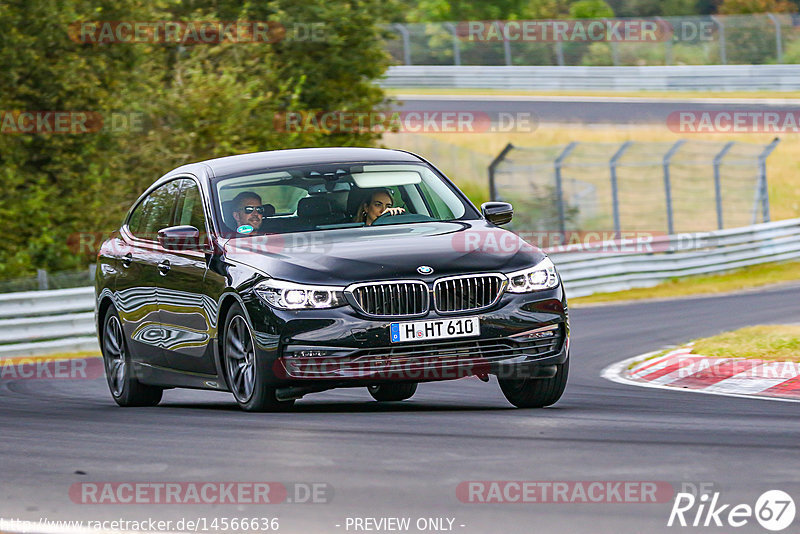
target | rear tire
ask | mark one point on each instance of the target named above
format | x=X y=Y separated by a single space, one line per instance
x=392 y=392
x=124 y=387
x=247 y=376
x=535 y=392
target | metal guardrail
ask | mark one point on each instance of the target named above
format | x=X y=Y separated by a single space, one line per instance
x=46 y=322
x=42 y=322
x=598 y=269
x=655 y=78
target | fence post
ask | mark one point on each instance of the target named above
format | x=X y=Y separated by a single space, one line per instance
x=723 y=56
x=667 y=42
x=718 y=181
x=778 y=44
x=493 y=166
x=762 y=178
x=406 y=42
x=559 y=186
x=560 y=53
x=456 y=43
x=506 y=46
x=614 y=191
x=41 y=278
x=667 y=186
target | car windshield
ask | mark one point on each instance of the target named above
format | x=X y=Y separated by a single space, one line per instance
x=333 y=196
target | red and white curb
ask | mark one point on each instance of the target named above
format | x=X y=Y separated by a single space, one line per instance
x=734 y=377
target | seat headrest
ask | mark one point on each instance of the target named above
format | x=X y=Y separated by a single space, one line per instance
x=355 y=198
x=314 y=207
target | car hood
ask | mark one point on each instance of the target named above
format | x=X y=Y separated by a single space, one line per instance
x=343 y=256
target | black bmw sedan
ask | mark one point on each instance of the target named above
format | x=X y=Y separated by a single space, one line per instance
x=279 y=274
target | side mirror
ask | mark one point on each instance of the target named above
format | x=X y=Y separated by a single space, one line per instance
x=180 y=238
x=497 y=212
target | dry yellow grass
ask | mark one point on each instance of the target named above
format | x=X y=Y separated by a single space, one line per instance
x=783 y=165
x=772 y=342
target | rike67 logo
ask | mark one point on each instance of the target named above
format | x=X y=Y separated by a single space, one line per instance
x=774 y=510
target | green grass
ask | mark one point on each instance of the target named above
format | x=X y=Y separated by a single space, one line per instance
x=55 y=356
x=748 y=277
x=773 y=342
x=667 y=95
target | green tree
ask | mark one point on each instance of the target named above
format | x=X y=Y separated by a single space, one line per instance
x=590 y=9
x=199 y=101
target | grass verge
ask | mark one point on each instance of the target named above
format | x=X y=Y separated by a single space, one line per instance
x=53 y=357
x=666 y=95
x=783 y=165
x=748 y=277
x=766 y=342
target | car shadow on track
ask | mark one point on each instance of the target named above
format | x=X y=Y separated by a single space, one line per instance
x=346 y=406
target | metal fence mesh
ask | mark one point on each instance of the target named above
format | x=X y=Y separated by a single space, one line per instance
x=692 y=40
x=669 y=187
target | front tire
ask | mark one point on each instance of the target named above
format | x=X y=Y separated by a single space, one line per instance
x=124 y=387
x=392 y=392
x=246 y=375
x=535 y=392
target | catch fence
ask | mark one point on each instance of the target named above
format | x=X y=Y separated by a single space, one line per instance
x=685 y=186
x=764 y=38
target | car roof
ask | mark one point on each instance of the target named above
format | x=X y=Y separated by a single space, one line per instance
x=243 y=163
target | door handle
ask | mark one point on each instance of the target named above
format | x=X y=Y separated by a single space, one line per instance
x=127 y=259
x=163 y=268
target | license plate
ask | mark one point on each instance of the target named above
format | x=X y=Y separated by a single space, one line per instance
x=439 y=329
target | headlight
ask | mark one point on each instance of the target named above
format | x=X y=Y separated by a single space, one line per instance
x=290 y=296
x=542 y=276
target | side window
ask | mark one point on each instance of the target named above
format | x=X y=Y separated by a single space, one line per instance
x=136 y=222
x=154 y=212
x=190 y=206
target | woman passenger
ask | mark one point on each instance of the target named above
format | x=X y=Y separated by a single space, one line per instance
x=379 y=203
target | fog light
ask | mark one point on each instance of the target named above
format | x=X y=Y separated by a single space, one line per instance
x=539 y=333
x=310 y=354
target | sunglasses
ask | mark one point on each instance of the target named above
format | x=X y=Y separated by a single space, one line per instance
x=251 y=209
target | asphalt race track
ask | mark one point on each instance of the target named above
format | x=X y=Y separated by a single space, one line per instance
x=406 y=459
x=589 y=110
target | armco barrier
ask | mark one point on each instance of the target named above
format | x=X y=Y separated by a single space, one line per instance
x=655 y=78
x=41 y=322
x=594 y=269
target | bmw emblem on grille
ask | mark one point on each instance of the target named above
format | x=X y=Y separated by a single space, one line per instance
x=424 y=269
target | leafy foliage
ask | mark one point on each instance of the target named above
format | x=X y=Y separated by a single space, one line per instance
x=192 y=102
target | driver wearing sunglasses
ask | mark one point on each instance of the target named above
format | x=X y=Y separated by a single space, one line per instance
x=248 y=210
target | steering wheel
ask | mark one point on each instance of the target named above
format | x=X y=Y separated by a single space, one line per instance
x=387 y=218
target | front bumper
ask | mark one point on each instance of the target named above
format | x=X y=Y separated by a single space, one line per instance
x=520 y=335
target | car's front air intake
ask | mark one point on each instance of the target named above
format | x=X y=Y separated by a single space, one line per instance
x=467 y=293
x=402 y=298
